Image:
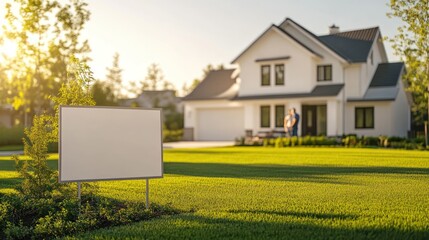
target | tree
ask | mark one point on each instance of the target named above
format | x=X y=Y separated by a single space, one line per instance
x=114 y=78
x=154 y=80
x=40 y=181
x=103 y=94
x=412 y=44
x=46 y=33
x=207 y=70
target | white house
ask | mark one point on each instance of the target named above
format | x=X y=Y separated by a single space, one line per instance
x=340 y=83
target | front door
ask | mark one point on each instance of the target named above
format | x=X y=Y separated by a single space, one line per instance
x=309 y=120
x=314 y=120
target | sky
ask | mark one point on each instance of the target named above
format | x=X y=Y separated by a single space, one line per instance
x=182 y=37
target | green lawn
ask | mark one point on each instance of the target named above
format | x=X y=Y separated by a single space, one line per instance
x=269 y=193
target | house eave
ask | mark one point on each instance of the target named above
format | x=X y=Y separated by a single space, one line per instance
x=206 y=99
x=370 y=100
x=272 y=59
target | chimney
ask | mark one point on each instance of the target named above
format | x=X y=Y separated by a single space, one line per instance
x=334 y=29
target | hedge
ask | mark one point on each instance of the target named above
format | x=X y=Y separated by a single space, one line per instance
x=11 y=136
x=345 y=141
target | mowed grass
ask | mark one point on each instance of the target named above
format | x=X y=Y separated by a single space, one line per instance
x=269 y=193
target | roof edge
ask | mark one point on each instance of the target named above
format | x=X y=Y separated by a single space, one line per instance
x=273 y=26
x=316 y=39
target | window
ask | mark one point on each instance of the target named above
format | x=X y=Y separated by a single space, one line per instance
x=265 y=116
x=324 y=73
x=280 y=74
x=364 y=117
x=265 y=75
x=280 y=114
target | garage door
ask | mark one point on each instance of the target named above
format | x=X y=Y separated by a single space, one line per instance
x=219 y=124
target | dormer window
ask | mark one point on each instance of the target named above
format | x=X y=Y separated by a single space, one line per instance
x=324 y=73
x=265 y=75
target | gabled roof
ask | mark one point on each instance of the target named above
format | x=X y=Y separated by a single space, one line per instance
x=387 y=74
x=383 y=86
x=218 y=84
x=296 y=40
x=330 y=90
x=367 y=34
x=280 y=30
x=354 y=45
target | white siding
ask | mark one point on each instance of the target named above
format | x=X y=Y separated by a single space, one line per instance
x=334 y=118
x=383 y=119
x=300 y=69
x=219 y=124
x=401 y=114
x=353 y=81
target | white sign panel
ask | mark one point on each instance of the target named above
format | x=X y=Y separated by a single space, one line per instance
x=104 y=143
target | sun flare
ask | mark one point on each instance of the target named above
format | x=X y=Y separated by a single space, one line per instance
x=8 y=48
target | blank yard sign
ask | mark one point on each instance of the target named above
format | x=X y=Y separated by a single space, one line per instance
x=103 y=143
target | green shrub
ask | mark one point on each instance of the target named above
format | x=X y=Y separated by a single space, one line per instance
x=11 y=136
x=172 y=135
x=23 y=218
x=350 y=141
x=370 y=141
x=304 y=141
x=286 y=142
x=293 y=141
x=347 y=141
x=266 y=143
x=279 y=143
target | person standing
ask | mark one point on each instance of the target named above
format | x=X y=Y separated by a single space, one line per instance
x=287 y=124
x=294 y=121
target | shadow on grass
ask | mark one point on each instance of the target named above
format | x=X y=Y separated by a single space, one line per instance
x=192 y=226
x=281 y=172
x=9 y=182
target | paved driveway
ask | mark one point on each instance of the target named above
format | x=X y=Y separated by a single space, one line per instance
x=9 y=153
x=170 y=145
x=198 y=144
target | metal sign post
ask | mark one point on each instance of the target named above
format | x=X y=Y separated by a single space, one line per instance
x=147 y=193
x=79 y=187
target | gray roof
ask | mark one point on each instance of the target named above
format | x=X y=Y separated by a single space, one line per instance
x=218 y=84
x=354 y=46
x=387 y=74
x=330 y=90
x=383 y=86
